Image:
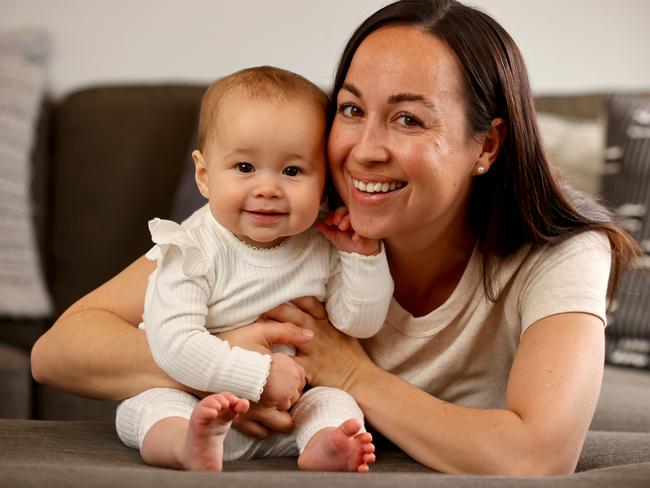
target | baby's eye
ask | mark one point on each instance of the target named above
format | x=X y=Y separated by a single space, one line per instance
x=245 y=167
x=350 y=110
x=408 y=120
x=292 y=171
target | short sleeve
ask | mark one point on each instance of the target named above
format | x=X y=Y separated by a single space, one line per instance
x=571 y=276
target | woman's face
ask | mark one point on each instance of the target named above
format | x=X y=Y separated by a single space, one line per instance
x=399 y=150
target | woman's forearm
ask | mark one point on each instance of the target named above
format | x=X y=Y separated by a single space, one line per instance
x=551 y=395
x=446 y=437
x=95 y=353
x=95 y=348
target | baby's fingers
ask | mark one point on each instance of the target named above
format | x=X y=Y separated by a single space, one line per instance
x=339 y=213
x=345 y=224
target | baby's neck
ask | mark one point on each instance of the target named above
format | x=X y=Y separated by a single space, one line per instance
x=262 y=246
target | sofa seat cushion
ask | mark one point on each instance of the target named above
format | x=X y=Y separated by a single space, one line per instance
x=42 y=453
x=624 y=403
x=15 y=383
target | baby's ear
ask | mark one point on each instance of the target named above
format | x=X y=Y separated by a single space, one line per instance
x=201 y=173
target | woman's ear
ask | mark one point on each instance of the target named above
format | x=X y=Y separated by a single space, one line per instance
x=492 y=141
x=201 y=173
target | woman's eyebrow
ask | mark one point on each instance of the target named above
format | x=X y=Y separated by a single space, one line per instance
x=394 y=99
x=412 y=97
x=352 y=89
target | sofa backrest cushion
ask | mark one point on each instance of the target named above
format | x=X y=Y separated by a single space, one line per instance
x=118 y=154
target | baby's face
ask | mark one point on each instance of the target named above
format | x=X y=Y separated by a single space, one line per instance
x=264 y=168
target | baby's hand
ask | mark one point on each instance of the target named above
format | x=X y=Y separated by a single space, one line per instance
x=284 y=384
x=338 y=230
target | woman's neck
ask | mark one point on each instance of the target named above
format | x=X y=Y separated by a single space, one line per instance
x=425 y=276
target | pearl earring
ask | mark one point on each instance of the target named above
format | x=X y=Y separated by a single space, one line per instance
x=480 y=170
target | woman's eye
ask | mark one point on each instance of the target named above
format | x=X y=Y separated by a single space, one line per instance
x=291 y=171
x=409 y=121
x=245 y=167
x=350 y=110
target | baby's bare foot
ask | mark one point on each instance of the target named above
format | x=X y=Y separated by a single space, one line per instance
x=210 y=421
x=339 y=449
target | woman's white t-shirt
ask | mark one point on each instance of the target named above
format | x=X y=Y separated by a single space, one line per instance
x=462 y=352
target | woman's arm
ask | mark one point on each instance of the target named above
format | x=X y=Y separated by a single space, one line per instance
x=95 y=348
x=552 y=392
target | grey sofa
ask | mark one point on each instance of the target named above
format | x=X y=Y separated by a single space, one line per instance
x=91 y=204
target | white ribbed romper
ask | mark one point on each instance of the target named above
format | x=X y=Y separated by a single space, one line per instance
x=209 y=281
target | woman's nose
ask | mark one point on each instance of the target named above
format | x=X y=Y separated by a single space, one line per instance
x=370 y=147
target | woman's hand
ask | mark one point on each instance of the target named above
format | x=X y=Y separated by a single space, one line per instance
x=263 y=334
x=260 y=421
x=331 y=358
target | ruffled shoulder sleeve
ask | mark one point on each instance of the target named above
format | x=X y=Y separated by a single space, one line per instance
x=167 y=234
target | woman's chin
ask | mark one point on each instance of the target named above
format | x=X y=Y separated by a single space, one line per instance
x=368 y=228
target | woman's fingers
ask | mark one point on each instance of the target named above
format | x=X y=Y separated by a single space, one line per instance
x=311 y=306
x=288 y=313
x=250 y=427
x=285 y=333
x=260 y=420
x=276 y=420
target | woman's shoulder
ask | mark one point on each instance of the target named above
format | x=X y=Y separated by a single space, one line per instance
x=582 y=246
x=569 y=276
x=581 y=259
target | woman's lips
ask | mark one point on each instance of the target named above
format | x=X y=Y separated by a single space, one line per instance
x=376 y=187
x=373 y=189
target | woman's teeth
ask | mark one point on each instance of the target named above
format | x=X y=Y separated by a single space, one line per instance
x=377 y=187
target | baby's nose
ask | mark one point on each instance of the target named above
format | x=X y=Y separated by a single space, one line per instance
x=268 y=187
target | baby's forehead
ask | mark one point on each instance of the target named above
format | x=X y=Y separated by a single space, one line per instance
x=235 y=102
x=239 y=96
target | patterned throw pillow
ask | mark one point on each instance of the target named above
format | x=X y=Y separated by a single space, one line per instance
x=626 y=187
x=23 y=55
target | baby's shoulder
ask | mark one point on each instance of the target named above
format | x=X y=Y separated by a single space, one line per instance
x=194 y=240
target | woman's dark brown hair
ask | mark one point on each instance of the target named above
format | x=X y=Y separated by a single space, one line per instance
x=520 y=200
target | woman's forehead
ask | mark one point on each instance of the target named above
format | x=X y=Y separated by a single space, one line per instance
x=404 y=59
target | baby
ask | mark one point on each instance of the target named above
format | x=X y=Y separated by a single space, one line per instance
x=261 y=164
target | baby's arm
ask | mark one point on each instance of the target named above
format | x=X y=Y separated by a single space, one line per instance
x=360 y=286
x=175 y=324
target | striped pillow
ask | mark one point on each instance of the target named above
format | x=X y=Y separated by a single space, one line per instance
x=23 y=56
x=626 y=187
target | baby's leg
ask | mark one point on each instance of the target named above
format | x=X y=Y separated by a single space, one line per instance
x=330 y=433
x=169 y=434
x=197 y=444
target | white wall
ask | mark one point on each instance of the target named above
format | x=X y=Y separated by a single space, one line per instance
x=569 y=45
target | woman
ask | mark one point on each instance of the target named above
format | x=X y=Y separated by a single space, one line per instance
x=491 y=358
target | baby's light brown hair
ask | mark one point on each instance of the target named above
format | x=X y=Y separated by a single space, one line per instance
x=263 y=83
